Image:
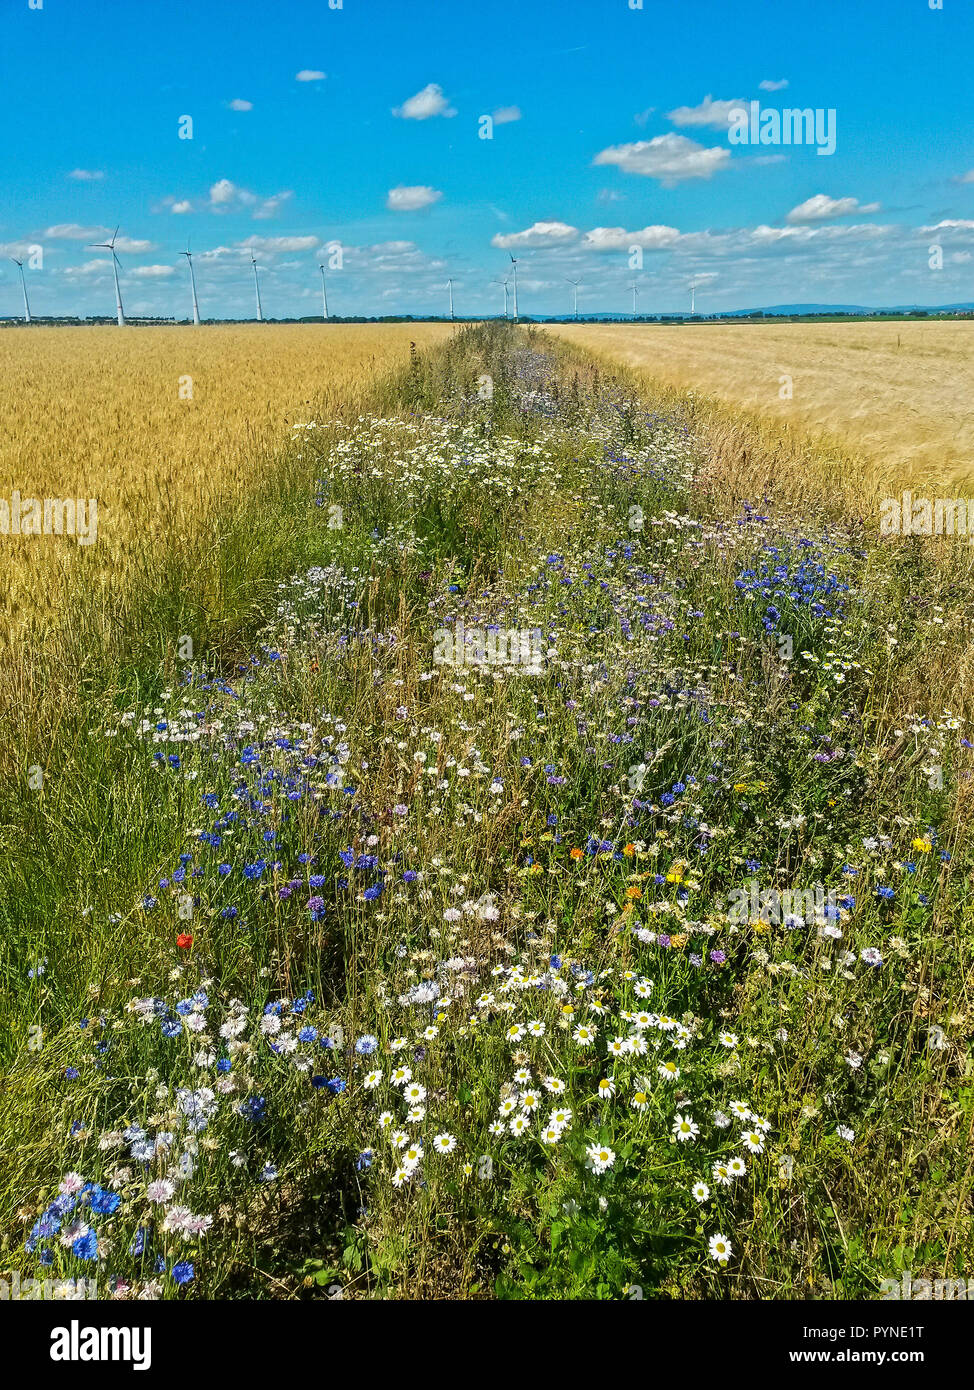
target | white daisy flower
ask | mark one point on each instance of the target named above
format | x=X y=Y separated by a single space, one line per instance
x=684 y=1128
x=720 y=1249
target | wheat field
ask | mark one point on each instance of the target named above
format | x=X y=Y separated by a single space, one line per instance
x=899 y=393
x=155 y=424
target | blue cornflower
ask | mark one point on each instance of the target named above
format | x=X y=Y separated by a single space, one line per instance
x=105 y=1203
x=86 y=1246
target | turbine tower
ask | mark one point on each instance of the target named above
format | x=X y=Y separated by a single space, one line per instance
x=324 y=294
x=505 y=297
x=449 y=285
x=110 y=246
x=514 y=264
x=635 y=290
x=23 y=285
x=693 y=296
x=260 y=312
x=192 y=280
x=576 y=284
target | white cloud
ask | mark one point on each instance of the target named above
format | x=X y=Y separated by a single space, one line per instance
x=505 y=114
x=669 y=158
x=608 y=195
x=540 y=234
x=270 y=245
x=618 y=239
x=410 y=198
x=820 y=208
x=88 y=268
x=268 y=206
x=133 y=247
x=238 y=104
x=952 y=224
x=713 y=114
x=226 y=196
x=803 y=235
x=71 y=231
x=180 y=206
x=967 y=178
x=310 y=75
x=429 y=102
x=769 y=85
x=153 y=272
x=223 y=192
x=86 y=175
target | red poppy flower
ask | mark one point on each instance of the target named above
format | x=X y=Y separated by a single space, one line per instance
x=184 y=941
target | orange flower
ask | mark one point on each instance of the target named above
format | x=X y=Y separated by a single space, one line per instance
x=184 y=941
x=629 y=850
x=634 y=892
x=576 y=854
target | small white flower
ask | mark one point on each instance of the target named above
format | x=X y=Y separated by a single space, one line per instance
x=600 y=1157
x=720 y=1249
x=684 y=1128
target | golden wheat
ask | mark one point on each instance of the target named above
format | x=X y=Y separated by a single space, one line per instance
x=155 y=424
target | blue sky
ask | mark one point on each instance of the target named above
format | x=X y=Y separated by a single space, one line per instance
x=360 y=126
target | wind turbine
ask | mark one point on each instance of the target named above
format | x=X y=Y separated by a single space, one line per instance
x=635 y=290
x=576 y=284
x=514 y=264
x=253 y=261
x=449 y=285
x=192 y=280
x=23 y=283
x=505 y=297
x=324 y=293
x=110 y=246
x=693 y=296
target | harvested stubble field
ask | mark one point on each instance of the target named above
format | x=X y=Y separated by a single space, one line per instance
x=898 y=394
x=547 y=877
